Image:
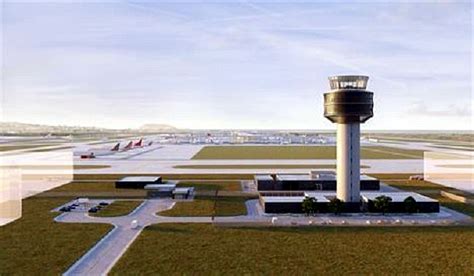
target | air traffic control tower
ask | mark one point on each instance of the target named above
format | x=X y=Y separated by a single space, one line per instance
x=348 y=105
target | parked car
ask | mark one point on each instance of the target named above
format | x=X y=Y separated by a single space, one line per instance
x=416 y=177
x=65 y=209
x=103 y=204
x=93 y=210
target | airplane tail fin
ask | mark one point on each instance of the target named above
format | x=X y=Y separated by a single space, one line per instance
x=128 y=146
x=116 y=147
x=139 y=143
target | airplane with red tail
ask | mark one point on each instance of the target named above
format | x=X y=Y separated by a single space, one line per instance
x=128 y=146
x=139 y=143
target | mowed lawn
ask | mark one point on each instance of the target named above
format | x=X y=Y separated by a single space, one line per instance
x=300 y=152
x=207 y=206
x=36 y=245
x=94 y=189
x=87 y=186
x=98 y=187
x=205 y=249
x=213 y=198
x=212 y=186
x=9 y=147
x=118 y=208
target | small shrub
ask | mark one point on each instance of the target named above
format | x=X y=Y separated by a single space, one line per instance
x=336 y=205
x=410 y=205
x=309 y=205
x=382 y=203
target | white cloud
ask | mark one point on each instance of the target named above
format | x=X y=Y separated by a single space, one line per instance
x=452 y=110
x=232 y=65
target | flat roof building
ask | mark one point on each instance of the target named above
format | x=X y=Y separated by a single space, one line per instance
x=422 y=204
x=183 y=192
x=292 y=202
x=151 y=179
x=161 y=187
x=323 y=181
x=137 y=182
x=160 y=190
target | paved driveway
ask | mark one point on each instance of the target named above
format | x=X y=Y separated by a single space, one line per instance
x=101 y=258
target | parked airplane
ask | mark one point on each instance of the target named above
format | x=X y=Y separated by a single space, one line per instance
x=116 y=148
x=128 y=146
x=139 y=143
x=92 y=153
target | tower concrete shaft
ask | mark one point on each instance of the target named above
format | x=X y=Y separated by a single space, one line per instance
x=348 y=105
x=348 y=162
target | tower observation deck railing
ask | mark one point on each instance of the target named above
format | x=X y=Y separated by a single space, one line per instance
x=348 y=82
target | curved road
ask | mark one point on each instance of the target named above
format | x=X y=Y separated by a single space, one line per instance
x=101 y=258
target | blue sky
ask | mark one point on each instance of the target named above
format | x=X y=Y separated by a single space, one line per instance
x=234 y=64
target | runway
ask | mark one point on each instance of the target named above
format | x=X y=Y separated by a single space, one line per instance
x=166 y=158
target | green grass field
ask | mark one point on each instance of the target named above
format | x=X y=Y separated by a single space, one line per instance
x=94 y=188
x=118 y=208
x=205 y=249
x=207 y=206
x=103 y=186
x=89 y=186
x=261 y=166
x=36 y=245
x=213 y=198
x=22 y=146
x=108 y=186
x=299 y=152
x=229 y=185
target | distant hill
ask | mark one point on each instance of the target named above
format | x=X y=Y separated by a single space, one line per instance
x=10 y=128
x=157 y=127
x=19 y=128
